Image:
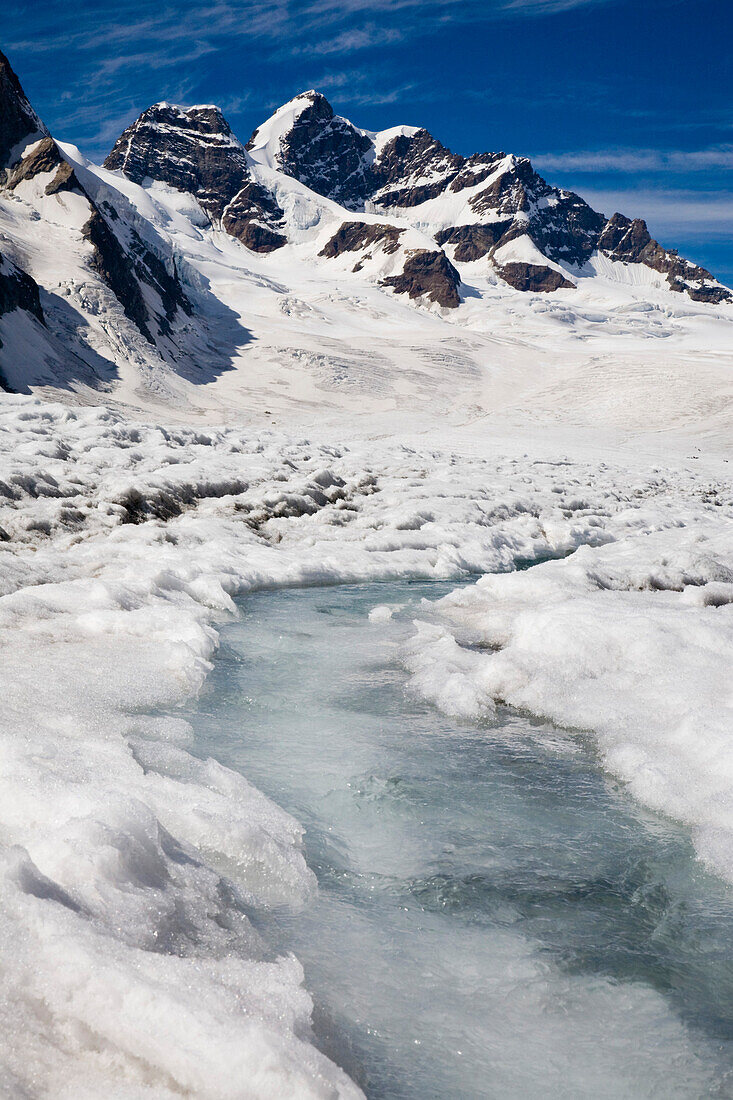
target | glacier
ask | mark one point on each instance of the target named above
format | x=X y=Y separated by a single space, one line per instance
x=333 y=358
x=133 y=870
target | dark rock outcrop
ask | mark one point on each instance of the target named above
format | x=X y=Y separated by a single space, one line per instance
x=355 y=236
x=713 y=293
x=64 y=180
x=430 y=275
x=411 y=169
x=630 y=241
x=194 y=150
x=44 y=157
x=111 y=264
x=624 y=239
x=18 y=290
x=254 y=218
x=18 y=121
x=124 y=267
x=534 y=278
x=190 y=149
x=135 y=262
x=560 y=223
x=472 y=242
x=19 y=125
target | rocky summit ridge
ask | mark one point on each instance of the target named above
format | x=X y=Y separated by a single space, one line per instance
x=473 y=207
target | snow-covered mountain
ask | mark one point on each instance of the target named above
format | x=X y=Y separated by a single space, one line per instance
x=189 y=253
x=493 y=205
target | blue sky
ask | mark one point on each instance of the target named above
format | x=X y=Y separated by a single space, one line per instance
x=629 y=102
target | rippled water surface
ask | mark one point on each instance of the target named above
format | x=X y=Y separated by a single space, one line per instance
x=495 y=917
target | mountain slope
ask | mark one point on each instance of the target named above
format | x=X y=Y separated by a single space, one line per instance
x=96 y=286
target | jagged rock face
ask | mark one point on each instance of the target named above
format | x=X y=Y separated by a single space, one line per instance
x=326 y=153
x=534 y=277
x=400 y=175
x=631 y=242
x=623 y=239
x=44 y=157
x=254 y=218
x=472 y=242
x=18 y=121
x=355 y=236
x=192 y=150
x=430 y=275
x=17 y=291
x=560 y=223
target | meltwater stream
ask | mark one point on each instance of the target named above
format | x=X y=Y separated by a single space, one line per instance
x=495 y=917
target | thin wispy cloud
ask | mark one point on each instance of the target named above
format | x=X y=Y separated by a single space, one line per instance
x=638 y=160
x=360 y=38
x=104 y=29
x=453 y=9
x=669 y=211
x=357 y=87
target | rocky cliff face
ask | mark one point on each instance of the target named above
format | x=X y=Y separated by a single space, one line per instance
x=504 y=194
x=630 y=241
x=19 y=123
x=428 y=275
x=194 y=150
x=18 y=290
x=324 y=151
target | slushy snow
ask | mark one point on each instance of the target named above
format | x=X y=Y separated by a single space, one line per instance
x=132 y=870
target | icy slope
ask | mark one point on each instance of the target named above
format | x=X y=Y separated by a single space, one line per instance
x=112 y=305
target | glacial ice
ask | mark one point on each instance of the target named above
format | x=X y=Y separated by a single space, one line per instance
x=133 y=873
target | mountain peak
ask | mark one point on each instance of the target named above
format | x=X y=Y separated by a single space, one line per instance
x=18 y=121
x=305 y=139
x=192 y=149
x=189 y=148
x=205 y=120
x=313 y=96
